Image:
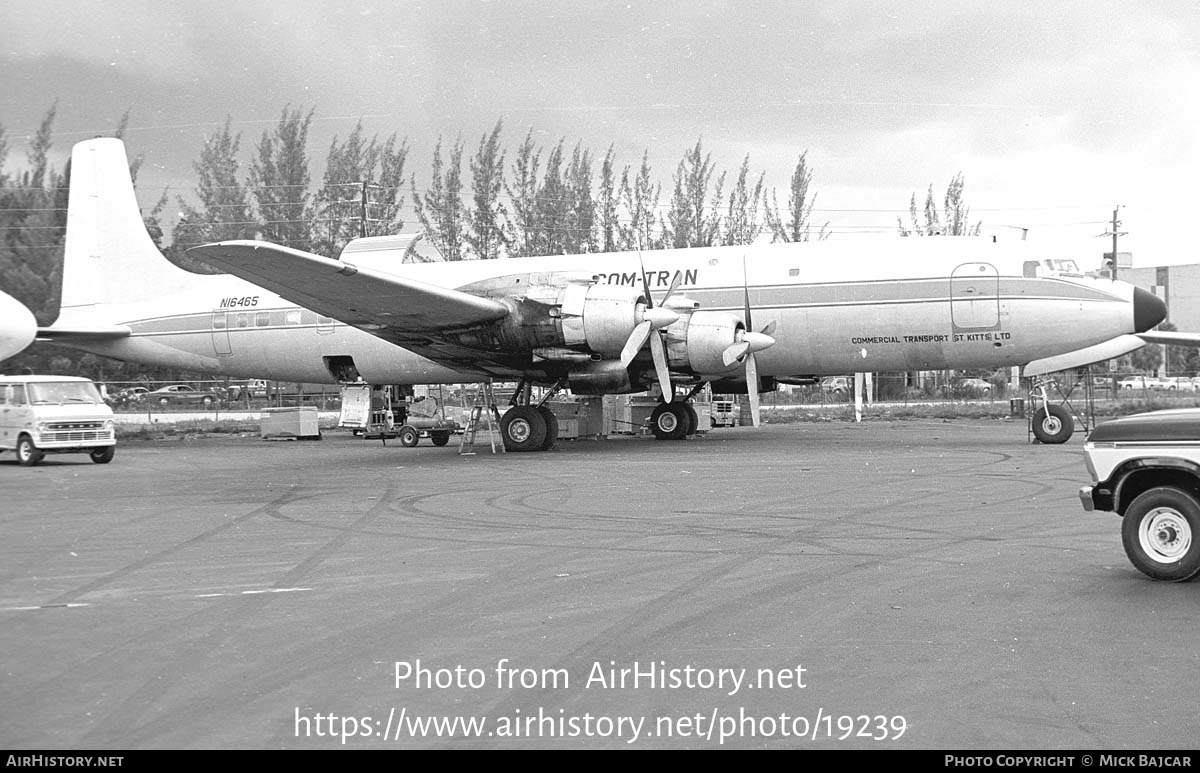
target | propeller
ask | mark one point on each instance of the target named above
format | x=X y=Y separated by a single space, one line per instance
x=654 y=318
x=745 y=344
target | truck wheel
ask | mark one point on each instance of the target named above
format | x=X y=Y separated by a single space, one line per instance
x=1161 y=534
x=27 y=453
x=439 y=438
x=409 y=436
x=1053 y=424
x=103 y=455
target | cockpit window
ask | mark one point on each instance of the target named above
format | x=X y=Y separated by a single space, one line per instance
x=1062 y=266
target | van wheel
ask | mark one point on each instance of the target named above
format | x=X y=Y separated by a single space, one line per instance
x=27 y=453
x=103 y=455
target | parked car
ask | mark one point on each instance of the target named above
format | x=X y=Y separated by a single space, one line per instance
x=838 y=386
x=1146 y=469
x=181 y=394
x=127 y=396
x=971 y=387
x=1146 y=382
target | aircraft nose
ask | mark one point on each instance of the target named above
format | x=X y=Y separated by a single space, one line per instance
x=1148 y=310
x=18 y=327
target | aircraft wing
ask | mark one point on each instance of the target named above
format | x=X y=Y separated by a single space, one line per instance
x=376 y=302
x=1170 y=338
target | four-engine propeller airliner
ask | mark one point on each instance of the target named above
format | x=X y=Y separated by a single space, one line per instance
x=740 y=318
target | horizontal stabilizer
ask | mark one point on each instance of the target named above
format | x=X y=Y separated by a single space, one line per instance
x=1115 y=347
x=1170 y=338
x=356 y=295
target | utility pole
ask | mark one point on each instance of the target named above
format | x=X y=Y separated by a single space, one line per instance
x=1116 y=224
x=362 y=218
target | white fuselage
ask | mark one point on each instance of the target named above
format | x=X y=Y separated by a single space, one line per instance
x=905 y=304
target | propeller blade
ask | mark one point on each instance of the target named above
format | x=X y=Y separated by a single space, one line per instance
x=746 y=293
x=637 y=339
x=769 y=329
x=658 y=351
x=674 y=286
x=645 y=281
x=734 y=352
x=752 y=389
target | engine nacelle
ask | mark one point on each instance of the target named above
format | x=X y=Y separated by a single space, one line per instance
x=599 y=316
x=600 y=378
x=705 y=338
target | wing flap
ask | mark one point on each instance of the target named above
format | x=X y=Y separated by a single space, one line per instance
x=356 y=295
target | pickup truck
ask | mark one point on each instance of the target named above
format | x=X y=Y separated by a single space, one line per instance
x=1146 y=468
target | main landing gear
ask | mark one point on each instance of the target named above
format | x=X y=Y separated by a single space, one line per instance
x=677 y=419
x=674 y=421
x=526 y=427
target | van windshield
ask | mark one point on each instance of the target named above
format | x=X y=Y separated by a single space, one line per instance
x=63 y=392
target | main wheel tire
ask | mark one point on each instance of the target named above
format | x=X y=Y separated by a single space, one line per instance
x=551 y=427
x=103 y=455
x=523 y=428
x=693 y=419
x=28 y=454
x=439 y=438
x=1161 y=534
x=1053 y=424
x=669 y=421
x=409 y=436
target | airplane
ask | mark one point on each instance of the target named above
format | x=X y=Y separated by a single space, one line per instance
x=741 y=318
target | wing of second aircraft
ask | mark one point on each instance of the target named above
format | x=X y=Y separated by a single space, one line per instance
x=355 y=295
x=420 y=317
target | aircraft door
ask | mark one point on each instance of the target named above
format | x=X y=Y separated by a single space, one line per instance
x=975 y=297
x=220 y=333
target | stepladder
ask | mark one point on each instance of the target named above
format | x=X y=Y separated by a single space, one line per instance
x=484 y=416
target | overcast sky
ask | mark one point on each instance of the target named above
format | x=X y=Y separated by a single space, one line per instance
x=1054 y=112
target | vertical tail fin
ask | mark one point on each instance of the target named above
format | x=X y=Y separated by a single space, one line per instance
x=108 y=257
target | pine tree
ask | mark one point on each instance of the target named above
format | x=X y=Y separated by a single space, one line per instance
x=486 y=235
x=520 y=223
x=742 y=225
x=692 y=220
x=581 y=219
x=954 y=219
x=279 y=180
x=797 y=227
x=339 y=205
x=224 y=204
x=607 y=206
x=640 y=199
x=440 y=210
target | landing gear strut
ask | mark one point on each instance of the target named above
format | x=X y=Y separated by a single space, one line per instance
x=1051 y=424
x=527 y=427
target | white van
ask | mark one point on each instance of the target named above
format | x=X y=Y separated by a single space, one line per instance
x=54 y=414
